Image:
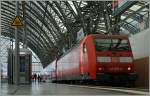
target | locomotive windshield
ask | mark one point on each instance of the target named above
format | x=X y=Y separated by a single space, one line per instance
x=111 y=45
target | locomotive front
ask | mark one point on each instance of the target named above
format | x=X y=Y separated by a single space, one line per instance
x=114 y=59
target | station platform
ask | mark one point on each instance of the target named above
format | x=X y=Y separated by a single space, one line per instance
x=67 y=41
x=40 y=89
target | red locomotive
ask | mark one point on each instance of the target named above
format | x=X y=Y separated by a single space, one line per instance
x=98 y=58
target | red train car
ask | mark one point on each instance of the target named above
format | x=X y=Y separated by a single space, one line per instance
x=98 y=58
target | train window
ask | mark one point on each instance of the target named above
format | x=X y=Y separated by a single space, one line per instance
x=123 y=45
x=102 y=44
x=111 y=44
x=84 y=48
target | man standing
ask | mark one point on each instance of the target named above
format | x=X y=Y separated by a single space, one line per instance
x=35 y=76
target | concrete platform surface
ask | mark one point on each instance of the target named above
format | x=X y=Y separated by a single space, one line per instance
x=63 y=89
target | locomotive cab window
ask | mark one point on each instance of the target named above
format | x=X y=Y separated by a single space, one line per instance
x=112 y=45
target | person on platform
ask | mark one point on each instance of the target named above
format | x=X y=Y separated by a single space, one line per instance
x=35 y=76
x=39 y=78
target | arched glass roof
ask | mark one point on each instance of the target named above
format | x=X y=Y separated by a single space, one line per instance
x=49 y=25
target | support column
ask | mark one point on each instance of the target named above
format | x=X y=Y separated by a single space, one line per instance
x=24 y=26
x=16 y=71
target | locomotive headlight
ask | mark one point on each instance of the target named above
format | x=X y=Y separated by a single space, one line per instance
x=100 y=68
x=126 y=59
x=103 y=59
x=129 y=68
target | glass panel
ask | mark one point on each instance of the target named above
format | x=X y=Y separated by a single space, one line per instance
x=111 y=44
x=22 y=64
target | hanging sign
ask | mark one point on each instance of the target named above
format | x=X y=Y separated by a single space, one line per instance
x=17 y=22
x=80 y=34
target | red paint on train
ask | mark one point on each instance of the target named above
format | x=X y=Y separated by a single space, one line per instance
x=97 y=57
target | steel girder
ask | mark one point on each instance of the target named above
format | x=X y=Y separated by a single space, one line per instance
x=39 y=51
x=49 y=23
x=37 y=28
x=40 y=41
x=91 y=16
x=7 y=19
x=37 y=45
x=29 y=25
x=129 y=16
